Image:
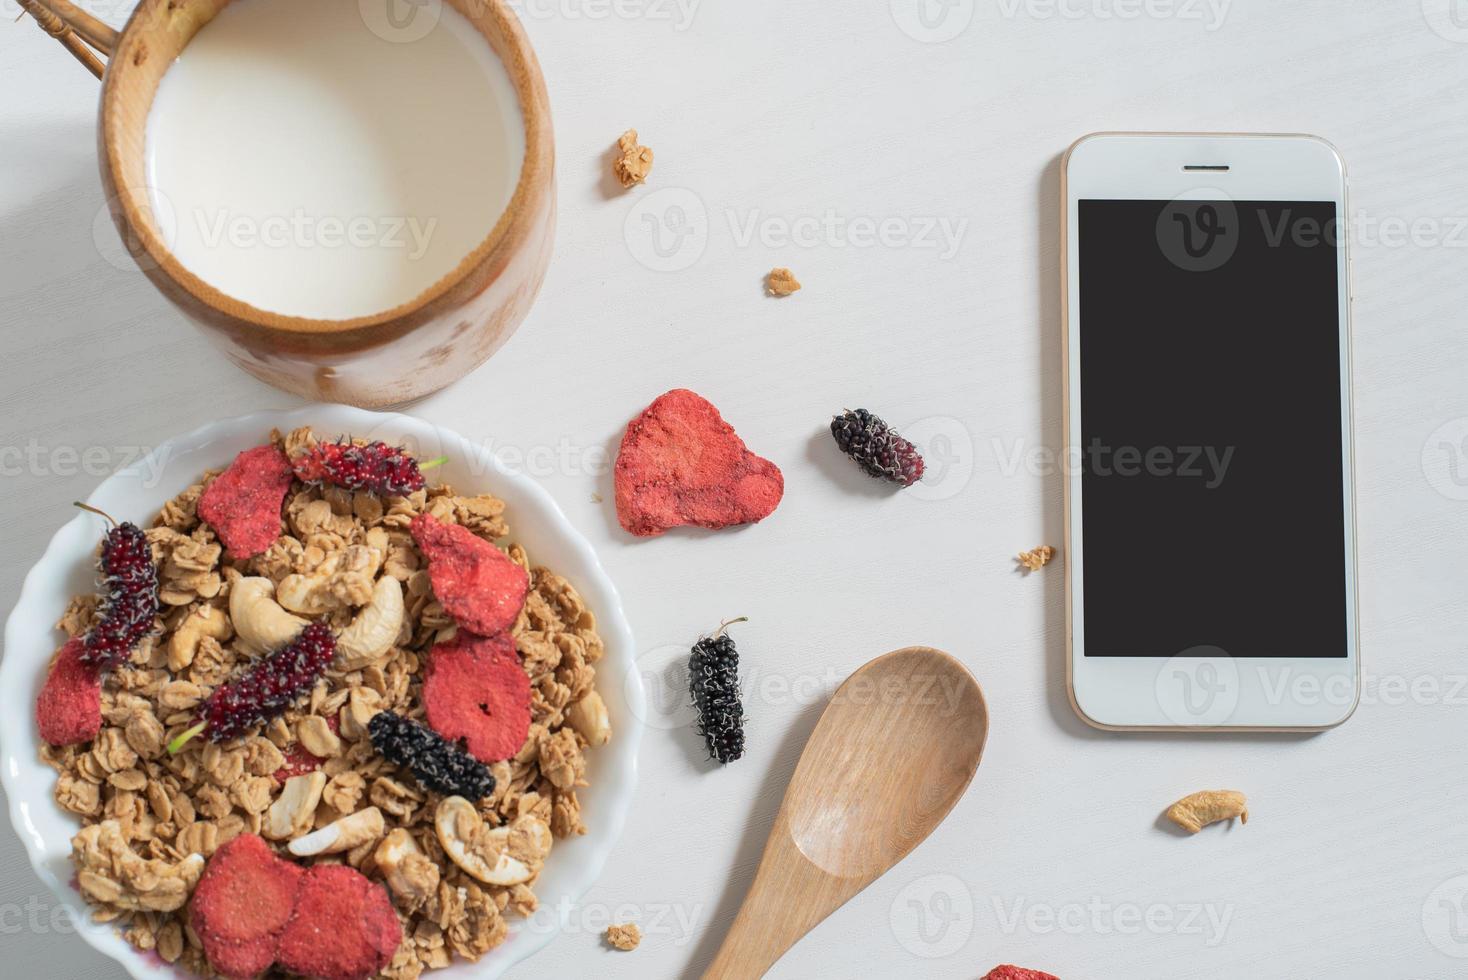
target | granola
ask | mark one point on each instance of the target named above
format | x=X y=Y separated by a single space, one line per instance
x=633 y=160
x=310 y=781
x=781 y=282
x=623 y=936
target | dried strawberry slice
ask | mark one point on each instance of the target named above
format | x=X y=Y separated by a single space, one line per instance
x=1007 y=972
x=475 y=582
x=241 y=905
x=681 y=463
x=243 y=503
x=343 y=926
x=69 y=708
x=475 y=688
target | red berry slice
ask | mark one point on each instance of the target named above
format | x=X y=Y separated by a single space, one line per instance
x=475 y=582
x=681 y=463
x=69 y=708
x=242 y=904
x=243 y=503
x=1007 y=972
x=476 y=689
x=343 y=927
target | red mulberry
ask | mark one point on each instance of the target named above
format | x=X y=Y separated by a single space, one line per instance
x=266 y=690
x=130 y=603
x=376 y=467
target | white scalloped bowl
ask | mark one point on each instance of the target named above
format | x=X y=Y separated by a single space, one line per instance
x=137 y=493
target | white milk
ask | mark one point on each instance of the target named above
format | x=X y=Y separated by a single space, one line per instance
x=311 y=167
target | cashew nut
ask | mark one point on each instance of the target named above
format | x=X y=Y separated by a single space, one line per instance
x=588 y=717
x=202 y=621
x=262 y=625
x=509 y=855
x=1193 y=813
x=291 y=815
x=316 y=737
x=343 y=835
x=411 y=875
x=374 y=630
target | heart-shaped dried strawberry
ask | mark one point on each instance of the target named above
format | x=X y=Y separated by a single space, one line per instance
x=681 y=463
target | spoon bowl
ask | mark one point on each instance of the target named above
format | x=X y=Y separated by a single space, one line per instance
x=891 y=755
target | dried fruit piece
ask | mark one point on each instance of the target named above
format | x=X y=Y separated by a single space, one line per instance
x=713 y=680
x=476 y=689
x=375 y=467
x=877 y=447
x=343 y=926
x=1036 y=558
x=781 y=282
x=69 y=707
x=436 y=763
x=1007 y=972
x=1193 y=813
x=633 y=162
x=266 y=690
x=243 y=503
x=475 y=582
x=242 y=904
x=681 y=463
x=623 y=937
x=130 y=595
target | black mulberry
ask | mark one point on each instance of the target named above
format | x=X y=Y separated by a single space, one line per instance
x=713 y=680
x=436 y=762
x=877 y=447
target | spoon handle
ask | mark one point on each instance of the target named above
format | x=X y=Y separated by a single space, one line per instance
x=789 y=897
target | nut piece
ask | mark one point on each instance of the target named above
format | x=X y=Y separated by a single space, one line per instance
x=343 y=835
x=1193 y=813
x=317 y=737
x=203 y=621
x=109 y=871
x=411 y=875
x=262 y=624
x=372 y=633
x=509 y=855
x=293 y=813
x=781 y=282
x=623 y=937
x=588 y=717
x=633 y=162
x=1036 y=558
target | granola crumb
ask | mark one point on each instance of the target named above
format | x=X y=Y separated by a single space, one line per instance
x=623 y=937
x=634 y=161
x=781 y=282
x=1036 y=558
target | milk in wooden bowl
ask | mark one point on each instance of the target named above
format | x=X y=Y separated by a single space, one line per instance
x=353 y=197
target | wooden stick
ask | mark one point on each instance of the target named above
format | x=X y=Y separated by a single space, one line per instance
x=87 y=27
x=49 y=22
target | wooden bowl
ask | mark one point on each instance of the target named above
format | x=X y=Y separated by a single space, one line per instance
x=384 y=359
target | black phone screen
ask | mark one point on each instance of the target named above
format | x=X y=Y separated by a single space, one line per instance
x=1213 y=511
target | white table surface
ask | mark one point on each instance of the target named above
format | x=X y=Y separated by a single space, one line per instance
x=779 y=114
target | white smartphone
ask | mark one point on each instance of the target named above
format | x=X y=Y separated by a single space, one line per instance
x=1211 y=566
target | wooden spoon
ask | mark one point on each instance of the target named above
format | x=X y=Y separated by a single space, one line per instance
x=891 y=755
